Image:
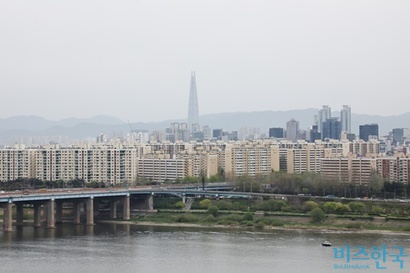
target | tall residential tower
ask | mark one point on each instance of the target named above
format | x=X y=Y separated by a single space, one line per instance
x=324 y=114
x=193 y=112
x=345 y=118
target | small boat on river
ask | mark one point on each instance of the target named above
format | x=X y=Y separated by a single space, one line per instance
x=326 y=243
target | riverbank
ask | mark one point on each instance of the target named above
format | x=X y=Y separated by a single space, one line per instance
x=267 y=229
x=268 y=223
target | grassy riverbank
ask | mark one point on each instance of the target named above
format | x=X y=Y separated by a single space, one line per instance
x=284 y=212
x=261 y=221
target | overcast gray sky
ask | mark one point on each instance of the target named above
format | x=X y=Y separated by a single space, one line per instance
x=132 y=59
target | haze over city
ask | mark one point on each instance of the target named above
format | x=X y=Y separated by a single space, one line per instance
x=133 y=59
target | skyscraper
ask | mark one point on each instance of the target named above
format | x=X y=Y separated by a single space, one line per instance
x=368 y=130
x=324 y=114
x=345 y=119
x=331 y=129
x=193 y=112
x=292 y=130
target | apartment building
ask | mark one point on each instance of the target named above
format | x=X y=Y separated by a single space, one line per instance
x=99 y=163
x=394 y=169
x=363 y=148
x=162 y=169
x=16 y=163
x=355 y=170
x=306 y=157
x=125 y=162
x=251 y=159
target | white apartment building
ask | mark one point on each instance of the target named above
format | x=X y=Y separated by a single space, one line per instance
x=306 y=157
x=251 y=159
x=163 y=169
x=102 y=163
x=16 y=163
x=349 y=169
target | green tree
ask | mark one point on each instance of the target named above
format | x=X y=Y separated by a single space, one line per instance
x=236 y=206
x=309 y=205
x=376 y=182
x=342 y=208
x=213 y=210
x=377 y=210
x=223 y=205
x=330 y=207
x=317 y=215
x=277 y=205
x=179 y=205
x=205 y=203
x=357 y=207
x=248 y=216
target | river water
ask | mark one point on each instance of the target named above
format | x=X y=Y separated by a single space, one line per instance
x=129 y=248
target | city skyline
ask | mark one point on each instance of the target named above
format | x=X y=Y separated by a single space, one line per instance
x=130 y=60
x=34 y=129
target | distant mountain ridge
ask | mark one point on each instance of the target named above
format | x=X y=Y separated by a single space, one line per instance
x=16 y=128
x=39 y=123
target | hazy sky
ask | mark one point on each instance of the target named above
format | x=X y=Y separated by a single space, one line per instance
x=133 y=59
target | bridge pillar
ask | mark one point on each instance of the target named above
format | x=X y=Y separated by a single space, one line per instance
x=19 y=214
x=7 y=217
x=59 y=212
x=50 y=214
x=126 y=208
x=113 y=209
x=150 y=202
x=183 y=199
x=37 y=215
x=77 y=212
x=90 y=211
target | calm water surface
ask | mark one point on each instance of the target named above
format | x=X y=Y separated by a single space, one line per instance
x=130 y=248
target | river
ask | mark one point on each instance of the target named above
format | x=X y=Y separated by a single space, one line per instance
x=130 y=248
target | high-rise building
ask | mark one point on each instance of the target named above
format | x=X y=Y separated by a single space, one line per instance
x=217 y=134
x=368 y=130
x=324 y=114
x=345 y=119
x=314 y=134
x=331 y=129
x=292 y=129
x=398 y=134
x=276 y=132
x=193 y=112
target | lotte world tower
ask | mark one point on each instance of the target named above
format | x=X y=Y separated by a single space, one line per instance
x=193 y=112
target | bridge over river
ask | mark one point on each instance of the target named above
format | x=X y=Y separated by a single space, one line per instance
x=48 y=206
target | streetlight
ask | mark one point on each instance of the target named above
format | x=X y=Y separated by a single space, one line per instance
x=394 y=194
